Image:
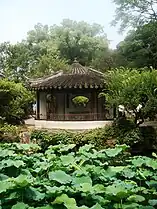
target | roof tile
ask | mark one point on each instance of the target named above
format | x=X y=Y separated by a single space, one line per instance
x=78 y=77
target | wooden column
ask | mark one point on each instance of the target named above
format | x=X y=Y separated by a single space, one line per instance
x=38 y=106
x=114 y=112
x=92 y=106
x=64 y=106
x=101 y=102
x=96 y=105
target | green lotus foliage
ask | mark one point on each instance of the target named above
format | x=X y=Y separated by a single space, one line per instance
x=63 y=178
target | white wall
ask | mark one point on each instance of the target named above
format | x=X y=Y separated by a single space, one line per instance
x=42 y=105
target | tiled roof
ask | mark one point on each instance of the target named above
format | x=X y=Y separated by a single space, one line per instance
x=77 y=77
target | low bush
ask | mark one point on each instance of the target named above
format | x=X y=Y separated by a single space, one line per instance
x=15 y=101
x=9 y=133
x=126 y=132
x=80 y=101
x=141 y=140
x=101 y=137
x=148 y=141
x=45 y=138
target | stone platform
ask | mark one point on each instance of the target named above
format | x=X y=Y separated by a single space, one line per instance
x=66 y=125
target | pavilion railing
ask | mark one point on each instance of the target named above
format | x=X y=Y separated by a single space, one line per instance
x=78 y=117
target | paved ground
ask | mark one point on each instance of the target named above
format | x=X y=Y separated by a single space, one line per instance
x=69 y=125
x=30 y=122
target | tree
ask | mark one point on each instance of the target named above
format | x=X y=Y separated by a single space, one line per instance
x=14 y=60
x=39 y=34
x=135 y=12
x=133 y=89
x=23 y=60
x=15 y=100
x=118 y=58
x=48 y=61
x=17 y=63
x=140 y=46
x=51 y=48
x=74 y=39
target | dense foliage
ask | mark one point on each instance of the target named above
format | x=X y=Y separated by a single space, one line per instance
x=62 y=178
x=51 y=48
x=100 y=138
x=139 y=47
x=9 y=133
x=135 y=12
x=80 y=100
x=142 y=140
x=132 y=88
x=15 y=100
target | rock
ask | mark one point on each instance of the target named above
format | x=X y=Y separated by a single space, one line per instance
x=25 y=138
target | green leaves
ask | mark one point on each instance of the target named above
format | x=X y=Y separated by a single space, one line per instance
x=136 y=198
x=82 y=179
x=66 y=160
x=4 y=186
x=134 y=13
x=69 y=203
x=9 y=163
x=153 y=202
x=113 y=152
x=60 y=176
x=15 y=99
x=20 y=205
x=44 y=207
x=86 y=179
x=34 y=194
x=97 y=206
x=130 y=88
x=21 y=181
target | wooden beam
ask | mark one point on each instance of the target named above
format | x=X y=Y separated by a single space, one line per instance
x=38 y=105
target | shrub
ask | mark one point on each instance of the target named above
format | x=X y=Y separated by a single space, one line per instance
x=129 y=87
x=148 y=141
x=80 y=100
x=149 y=135
x=100 y=138
x=141 y=139
x=15 y=100
x=45 y=138
x=9 y=133
x=126 y=132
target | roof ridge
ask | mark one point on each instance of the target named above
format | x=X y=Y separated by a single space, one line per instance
x=77 y=68
x=96 y=71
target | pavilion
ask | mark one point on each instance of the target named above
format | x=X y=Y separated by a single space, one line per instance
x=71 y=96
